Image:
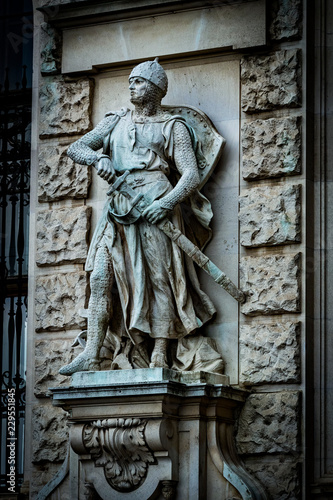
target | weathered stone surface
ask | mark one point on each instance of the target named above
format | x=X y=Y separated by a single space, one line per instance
x=62 y=235
x=269 y=423
x=42 y=474
x=50 y=49
x=54 y=3
x=49 y=434
x=50 y=356
x=65 y=107
x=269 y=353
x=270 y=215
x=272 y=81
x=59 y=297
x=59 y=177
x=281 y=476
x=271 y=148
x=271 y=283
x=286 y=19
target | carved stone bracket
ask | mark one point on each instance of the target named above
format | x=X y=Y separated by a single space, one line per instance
x=119 y=446
x=153 y=434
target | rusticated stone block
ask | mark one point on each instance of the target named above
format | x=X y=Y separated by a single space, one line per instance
x=59 y=177
x=50 y=356
x=270 y=215
x=50 y=49
x=280 y=476
x=62 y=235
x=271 y=148
x=269 y=423
x=65 y=107
x=49 y=434
x=286 y=19
x=271 y=284
x=42 y=474
x=272 y=81
x=269 y=353
x=59 y=297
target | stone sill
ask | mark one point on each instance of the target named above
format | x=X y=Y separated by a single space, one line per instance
x=146 y=375
x=157 y=384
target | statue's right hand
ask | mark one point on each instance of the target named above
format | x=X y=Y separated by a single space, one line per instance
x=105 y=169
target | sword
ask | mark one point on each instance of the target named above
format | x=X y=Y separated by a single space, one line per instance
x=140 y=201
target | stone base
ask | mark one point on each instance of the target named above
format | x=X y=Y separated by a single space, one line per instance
x=153 y=434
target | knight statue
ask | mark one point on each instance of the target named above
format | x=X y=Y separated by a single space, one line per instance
x=146 y=306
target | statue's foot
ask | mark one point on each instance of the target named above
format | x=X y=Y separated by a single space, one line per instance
x=159 y=357
x=80 y=364
x=159 y=362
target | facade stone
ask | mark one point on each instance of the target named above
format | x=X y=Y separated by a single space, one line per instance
x=269 y=353
x=271 y=283
x=49 y=434
x=62 y=235
x=270 y=82
x=65 y=107
x=50 y=50
x=44 y=473
x=54 y=3
x=286 y=20
x=281 y=477
x=270 y=215
x=59 y=297
x=269 y=423
x=59 y=177
x=271 y=148
x=50 y=356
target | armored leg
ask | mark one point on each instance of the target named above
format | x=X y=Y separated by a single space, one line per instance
x=99 y=311
x=159 y=354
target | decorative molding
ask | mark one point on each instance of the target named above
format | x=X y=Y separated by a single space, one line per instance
x=183 y=423
x=170 y=35
x=90 y=492
x=119 y=446
x=169 y=489
x=222 y=450
x=320 y=282
x=55 y=482
x=63 y=13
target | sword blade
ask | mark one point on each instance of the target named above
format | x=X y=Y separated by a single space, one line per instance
x=183 y=242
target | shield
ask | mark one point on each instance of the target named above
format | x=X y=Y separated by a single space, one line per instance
x=211 y=143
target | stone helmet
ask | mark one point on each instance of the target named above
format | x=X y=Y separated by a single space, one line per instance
x=153 y=72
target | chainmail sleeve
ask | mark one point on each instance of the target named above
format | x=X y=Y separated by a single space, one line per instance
x=83 y=151
x=186 y=164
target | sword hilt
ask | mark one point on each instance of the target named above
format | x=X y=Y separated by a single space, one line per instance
x=120 y=180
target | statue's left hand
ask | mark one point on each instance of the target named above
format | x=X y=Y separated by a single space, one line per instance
x=155 y=212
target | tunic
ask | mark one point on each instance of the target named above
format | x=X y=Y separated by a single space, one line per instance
x=158 y=292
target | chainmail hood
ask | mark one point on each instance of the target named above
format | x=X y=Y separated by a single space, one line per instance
x=153 y=72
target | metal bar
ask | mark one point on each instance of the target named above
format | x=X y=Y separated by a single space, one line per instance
x=12 y=248
x=15 y=115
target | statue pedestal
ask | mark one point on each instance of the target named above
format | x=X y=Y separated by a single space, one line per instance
x=154 y=434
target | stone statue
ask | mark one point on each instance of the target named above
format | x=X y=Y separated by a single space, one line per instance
x=146 y=304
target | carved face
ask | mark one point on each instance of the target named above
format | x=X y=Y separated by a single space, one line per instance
x=144 y=92
x=138 y=89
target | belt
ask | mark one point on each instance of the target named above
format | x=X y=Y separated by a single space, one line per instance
x=142 y=177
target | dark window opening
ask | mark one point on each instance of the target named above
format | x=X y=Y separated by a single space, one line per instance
x=16 y=37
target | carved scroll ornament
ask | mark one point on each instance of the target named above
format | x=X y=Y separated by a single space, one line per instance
x=120 y=447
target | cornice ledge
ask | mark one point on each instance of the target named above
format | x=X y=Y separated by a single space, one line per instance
x=70 y=13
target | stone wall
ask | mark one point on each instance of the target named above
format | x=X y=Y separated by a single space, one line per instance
x=269 y=435
x=61 y=227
